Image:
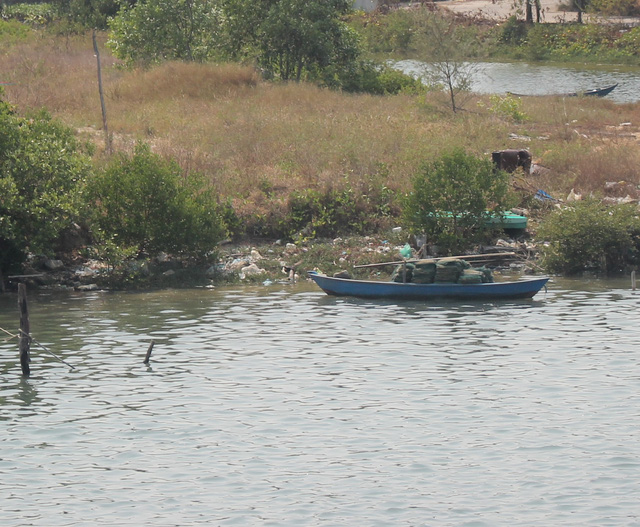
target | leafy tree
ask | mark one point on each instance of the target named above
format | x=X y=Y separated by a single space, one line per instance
x=42 y=175
x=144 y=201
x=299 y=36
x=155 y=30
x=453 y=197
x=447 y=67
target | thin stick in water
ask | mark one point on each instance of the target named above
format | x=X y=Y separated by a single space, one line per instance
x=49 y=351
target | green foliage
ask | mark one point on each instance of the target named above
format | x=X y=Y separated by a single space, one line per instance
x=12 y=32
x=565 y=42
x=629 y=43
x=33 y=14
x=591 y=236
x=144 y=202
x=312 y=214
x=42 y=175
x=453 y=197
x=614 y=7
x=90 y=13
x=156 y=30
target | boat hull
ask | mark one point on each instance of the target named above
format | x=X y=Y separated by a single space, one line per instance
x=526 y=288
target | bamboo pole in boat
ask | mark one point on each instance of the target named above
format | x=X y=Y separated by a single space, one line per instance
x=462 y=257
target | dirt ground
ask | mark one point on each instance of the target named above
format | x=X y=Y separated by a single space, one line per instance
x=552 y=10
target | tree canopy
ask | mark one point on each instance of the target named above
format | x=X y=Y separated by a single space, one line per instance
x=156 y=30
x=286 y=38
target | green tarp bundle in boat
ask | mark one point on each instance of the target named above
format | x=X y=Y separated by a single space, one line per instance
x=470 y=276
x=447 y=270
x=424 y=272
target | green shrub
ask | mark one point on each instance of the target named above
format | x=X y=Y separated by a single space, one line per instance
x=145 y=202
x=369 y=77
x=453 y=197
x=508 y=107
x=513 y=31
x=590 y=236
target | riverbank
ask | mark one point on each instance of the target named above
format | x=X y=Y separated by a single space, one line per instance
x=253 y=262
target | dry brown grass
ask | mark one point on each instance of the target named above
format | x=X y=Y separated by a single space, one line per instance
x=258 y=141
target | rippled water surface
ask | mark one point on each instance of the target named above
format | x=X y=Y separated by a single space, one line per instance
x=282 y=406
x=544 y=79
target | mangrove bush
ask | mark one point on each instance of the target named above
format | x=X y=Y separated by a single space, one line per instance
x=452 y=199
x=591 y=236
x=144 y=202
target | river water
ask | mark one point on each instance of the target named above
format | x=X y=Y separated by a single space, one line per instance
x=278 y=405
x=544 y=78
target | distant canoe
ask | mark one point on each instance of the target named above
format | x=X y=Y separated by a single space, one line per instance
x=597 y=92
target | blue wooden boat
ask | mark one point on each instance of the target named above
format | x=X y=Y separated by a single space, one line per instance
x=525 y=288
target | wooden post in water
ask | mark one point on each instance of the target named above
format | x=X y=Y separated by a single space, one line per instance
x=633 y=280
x=25 y=339
x=148 y=356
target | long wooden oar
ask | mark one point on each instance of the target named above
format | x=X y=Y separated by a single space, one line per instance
x=461 y=257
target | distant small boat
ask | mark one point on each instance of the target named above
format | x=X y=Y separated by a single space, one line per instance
x=596 y=92
x=526 y=288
